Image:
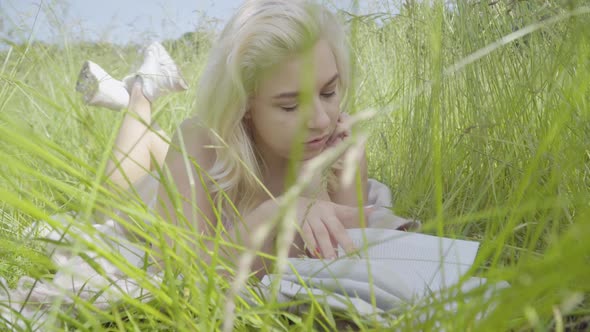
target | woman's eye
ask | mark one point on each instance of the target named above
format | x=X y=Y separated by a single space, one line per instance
x=289 y=108
x=329 y=94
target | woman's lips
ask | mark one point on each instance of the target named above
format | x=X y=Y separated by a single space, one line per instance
x=316 y=143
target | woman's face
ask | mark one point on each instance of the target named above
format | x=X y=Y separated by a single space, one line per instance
x=275 y=113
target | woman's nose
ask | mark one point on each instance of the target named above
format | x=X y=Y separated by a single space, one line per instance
x=319 y=117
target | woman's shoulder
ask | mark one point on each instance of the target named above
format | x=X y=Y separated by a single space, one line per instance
x=195 y=138
x=194 y=127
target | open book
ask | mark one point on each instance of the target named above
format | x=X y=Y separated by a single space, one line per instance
x=394 y=267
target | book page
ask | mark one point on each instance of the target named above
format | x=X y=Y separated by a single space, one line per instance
x=436 y=262
x=403 y=263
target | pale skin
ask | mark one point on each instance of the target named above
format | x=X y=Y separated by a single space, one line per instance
x=273 y=113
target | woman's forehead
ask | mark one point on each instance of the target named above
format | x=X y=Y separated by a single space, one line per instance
x=288 y=75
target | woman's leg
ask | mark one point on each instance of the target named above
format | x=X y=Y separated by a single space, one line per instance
x=139 y=148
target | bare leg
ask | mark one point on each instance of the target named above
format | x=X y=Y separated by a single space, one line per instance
x=138 y=148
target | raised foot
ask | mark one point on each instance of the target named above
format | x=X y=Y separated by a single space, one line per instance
x=98 y=88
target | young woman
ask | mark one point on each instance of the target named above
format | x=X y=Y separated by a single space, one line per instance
x=274 y=87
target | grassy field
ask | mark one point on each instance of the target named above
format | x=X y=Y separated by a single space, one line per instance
x=483 y=133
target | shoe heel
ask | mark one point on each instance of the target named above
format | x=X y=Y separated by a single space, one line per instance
x=87 y=83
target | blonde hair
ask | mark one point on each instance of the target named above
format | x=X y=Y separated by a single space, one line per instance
x=260 y=35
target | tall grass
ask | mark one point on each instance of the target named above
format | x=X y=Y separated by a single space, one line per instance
x=482 y=133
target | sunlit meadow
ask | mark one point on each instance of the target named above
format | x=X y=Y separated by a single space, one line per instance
x=482 y=132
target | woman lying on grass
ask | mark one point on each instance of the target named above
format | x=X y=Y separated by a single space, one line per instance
x=274 y=89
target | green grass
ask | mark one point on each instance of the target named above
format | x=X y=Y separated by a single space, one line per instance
x=490 y=146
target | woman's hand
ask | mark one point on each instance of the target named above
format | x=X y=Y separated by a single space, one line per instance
x=343 y=190
x=342 y=131
x=323 y=226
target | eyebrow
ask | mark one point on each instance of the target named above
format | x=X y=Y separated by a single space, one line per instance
x=294 y=94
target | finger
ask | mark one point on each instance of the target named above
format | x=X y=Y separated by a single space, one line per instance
x=349 y=216
x=348 y=121
x=322 y=238
x=345 y=121
x=334 y=243
x=334 y=140
x=342 y=125
x=335 y=135
x=360 y=117
x=340 y=234
x=343 y=117
x=309 y=239
x=341 y=130
x=345 y=134
x=330 y=141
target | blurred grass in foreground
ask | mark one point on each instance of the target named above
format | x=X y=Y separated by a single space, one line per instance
x=496 y=151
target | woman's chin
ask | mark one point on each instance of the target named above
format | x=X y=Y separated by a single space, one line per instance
x=308 y=155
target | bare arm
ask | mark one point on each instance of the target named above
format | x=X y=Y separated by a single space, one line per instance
x=191 y=207
x=339 y=192
x=347 y=194
x=186 y=158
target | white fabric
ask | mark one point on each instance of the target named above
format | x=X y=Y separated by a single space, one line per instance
x=380 y=197
x=395 y=270
x=75 y=277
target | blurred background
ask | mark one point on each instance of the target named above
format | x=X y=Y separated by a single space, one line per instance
x=130 y=20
